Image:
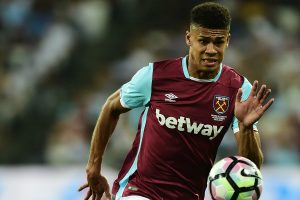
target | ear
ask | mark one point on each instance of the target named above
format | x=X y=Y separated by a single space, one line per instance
x=228 y=39
x=188 y=38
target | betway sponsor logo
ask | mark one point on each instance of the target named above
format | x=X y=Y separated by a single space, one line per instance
x=185 y=124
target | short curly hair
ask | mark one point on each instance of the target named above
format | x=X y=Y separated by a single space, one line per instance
x=210 y=15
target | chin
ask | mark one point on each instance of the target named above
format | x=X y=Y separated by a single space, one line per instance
x=211 y=68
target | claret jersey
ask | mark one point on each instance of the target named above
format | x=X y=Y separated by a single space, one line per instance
x=179 y=131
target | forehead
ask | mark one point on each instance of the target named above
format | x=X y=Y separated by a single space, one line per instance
x=207 y=32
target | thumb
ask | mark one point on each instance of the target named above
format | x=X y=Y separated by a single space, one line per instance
x=239 y=95
x=107 y=195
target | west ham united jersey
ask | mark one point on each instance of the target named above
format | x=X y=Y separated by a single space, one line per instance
x=179 y=131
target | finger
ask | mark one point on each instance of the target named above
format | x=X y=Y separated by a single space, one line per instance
x=267 y=105
x=261 y=92
x=239 y=95
x=108 y=195
x=88 y=195
x=267 y=93
x=94 y=195
x=83 y=187
x=254 y=89
x=98 y=197
x=99 y=194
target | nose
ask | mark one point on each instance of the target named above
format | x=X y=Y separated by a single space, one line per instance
x=210 y=48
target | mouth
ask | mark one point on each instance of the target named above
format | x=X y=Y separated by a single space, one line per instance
x=210 y=61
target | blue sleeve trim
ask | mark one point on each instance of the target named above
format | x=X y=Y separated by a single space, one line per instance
x=246 y=87
x=184 y=67
x=137 y=92
x=124 y=181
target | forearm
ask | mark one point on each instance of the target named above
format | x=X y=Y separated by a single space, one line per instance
x=249 y=145
x=104 y=128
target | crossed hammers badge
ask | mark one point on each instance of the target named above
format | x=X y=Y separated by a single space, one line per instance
x=220 y=104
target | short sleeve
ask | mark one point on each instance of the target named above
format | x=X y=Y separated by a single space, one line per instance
x=137 y=92
x=246 y=87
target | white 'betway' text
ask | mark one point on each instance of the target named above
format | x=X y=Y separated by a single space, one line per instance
x=204 y=129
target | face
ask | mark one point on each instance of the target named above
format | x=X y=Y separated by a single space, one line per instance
x=207 y=47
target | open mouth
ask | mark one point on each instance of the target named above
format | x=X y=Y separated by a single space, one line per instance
x=210 y=61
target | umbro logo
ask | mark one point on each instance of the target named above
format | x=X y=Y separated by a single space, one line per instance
x=170 y=97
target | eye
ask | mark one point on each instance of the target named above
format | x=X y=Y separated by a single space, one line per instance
x=203 y=41
x=219 y=42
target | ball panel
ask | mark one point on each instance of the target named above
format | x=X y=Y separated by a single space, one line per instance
x=243 y=175
x=236 y=177
x=221 y=188
x=220 y=167
x=251 y=195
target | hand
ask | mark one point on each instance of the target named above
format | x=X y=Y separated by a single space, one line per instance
x=249 y=111
x=97 y=185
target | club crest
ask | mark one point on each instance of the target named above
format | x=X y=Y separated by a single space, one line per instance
x=221 y=104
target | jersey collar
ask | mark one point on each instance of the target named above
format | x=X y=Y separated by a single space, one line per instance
x=187 y=75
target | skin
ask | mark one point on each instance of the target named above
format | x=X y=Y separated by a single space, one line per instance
x=206 y=52
x=248 y=112
x=104 y=128
x=207 y=48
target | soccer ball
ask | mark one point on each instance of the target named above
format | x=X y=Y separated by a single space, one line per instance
x=235 y=178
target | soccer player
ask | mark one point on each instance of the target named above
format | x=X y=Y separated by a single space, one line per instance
x=190 y=103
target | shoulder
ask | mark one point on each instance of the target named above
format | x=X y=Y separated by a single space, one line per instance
x=170 y=67
x=230 y=77
x=167 y=63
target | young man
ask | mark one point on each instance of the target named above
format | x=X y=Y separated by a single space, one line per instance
x=190 y=103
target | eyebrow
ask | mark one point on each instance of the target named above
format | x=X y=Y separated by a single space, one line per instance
x=217 y=37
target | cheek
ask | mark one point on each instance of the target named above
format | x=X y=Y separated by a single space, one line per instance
x=221 y=56
x=221 y=52
x=198 y=49
x=198 y=54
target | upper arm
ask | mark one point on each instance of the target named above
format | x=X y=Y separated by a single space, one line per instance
x=133 y=94
x=113 y=103
x=137 y=92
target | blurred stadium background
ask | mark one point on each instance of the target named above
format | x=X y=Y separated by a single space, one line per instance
x=59 y=60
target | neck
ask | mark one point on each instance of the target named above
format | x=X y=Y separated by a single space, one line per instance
x=203 y=75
